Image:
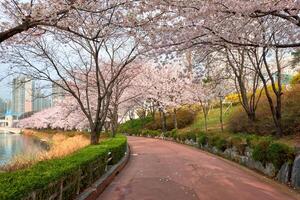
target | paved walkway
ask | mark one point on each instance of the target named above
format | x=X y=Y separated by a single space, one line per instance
x=162 y=170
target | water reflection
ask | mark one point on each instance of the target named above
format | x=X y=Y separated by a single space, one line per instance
x=12 y=145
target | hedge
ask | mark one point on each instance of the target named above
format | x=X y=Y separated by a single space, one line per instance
x=265 y=149
x=74 y=172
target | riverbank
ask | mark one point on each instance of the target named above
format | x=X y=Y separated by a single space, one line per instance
x=59 y=144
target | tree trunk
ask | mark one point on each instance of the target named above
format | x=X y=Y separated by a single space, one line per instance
x=153 y=115
x=95 y=137
x=221 y=114
x=152 y=108
x=205 y=122
x=175 y=118
x=274 y=107
x=163 y=121
x=114 y=122
x=205 y=109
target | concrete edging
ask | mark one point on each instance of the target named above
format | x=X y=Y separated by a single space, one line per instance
x=94 y=191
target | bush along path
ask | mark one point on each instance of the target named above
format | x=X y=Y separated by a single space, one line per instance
x=263 y=154
x=62 y=178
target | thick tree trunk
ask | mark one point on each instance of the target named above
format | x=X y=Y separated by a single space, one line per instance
x=95 y=137
x=106 y=127
x=175 y=118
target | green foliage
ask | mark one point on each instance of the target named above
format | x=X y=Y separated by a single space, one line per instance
x=138 y=126
x=117 y=146
x=184 y=117
x=260 y=151
x=212 y=140
x=172 y=134
x=152 y=133
x=134 y=126
x=278 y=154
x=239 y=142
x=202 y=139
x=221 y=144
x=45 y=177
x=273 y=152
x=187 y=135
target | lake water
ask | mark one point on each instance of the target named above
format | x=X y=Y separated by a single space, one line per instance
x=12 y=145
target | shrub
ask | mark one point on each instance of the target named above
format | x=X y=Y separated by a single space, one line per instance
x=134 y=126
x=171 y=133
x=174 y=134
x=202 y=139
x=278 y=154
x=45 y=177
x=221 y=144
x=238 y=142
x=191 y=135
x=252 y=140
x=260 y=151
x=187 y=135
x=117 y=146
x=152 y=133
x=181 y=137
x=184 y=116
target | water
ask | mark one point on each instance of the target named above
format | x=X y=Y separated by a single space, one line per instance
x=12 y=145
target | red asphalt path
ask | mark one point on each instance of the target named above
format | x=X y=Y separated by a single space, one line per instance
x=162 y=170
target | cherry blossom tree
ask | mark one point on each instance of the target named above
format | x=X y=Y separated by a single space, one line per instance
x=168 y=89
x=35 y=17
x=85 y=69
x=128 y=89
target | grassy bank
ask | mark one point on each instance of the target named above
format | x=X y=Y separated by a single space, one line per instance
x=60 y=144
x=77 y=171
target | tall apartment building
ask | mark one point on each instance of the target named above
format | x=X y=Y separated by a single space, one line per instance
x=22 y=95
x=41 y=101
x=2 y=107
x=58 y=94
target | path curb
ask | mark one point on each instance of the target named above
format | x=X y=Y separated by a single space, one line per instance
x=94 y=191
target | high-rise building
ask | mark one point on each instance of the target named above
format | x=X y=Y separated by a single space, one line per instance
x=2 y=107
x=22 y=95
x=58 y=94
x=40 y=101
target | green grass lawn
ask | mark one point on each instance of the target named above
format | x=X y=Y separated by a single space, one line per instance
x=213 y=120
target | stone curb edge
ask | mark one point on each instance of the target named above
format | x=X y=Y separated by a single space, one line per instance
x=94 y=191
